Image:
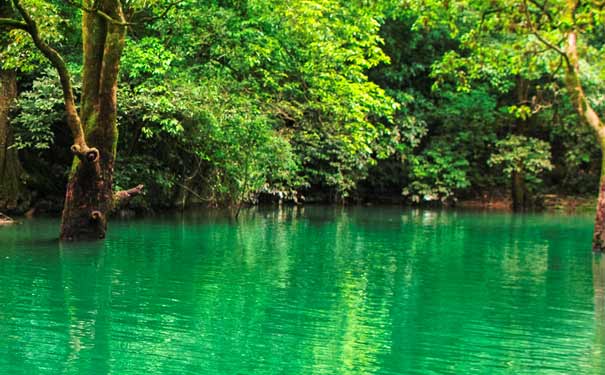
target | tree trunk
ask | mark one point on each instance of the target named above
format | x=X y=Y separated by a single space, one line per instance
x=590 y=116
x=89 y=198
x=518 y=190
x=10 y=168
x=519 y=193
x=598 y=240
x=88 y=201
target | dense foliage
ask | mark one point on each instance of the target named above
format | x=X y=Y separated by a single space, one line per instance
x=227 y=102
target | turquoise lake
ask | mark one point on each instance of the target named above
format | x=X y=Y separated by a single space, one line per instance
x=313 y=290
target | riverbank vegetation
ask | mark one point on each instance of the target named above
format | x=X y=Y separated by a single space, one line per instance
x=232 y=102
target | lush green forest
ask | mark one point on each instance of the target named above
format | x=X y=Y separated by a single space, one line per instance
x=235 y=102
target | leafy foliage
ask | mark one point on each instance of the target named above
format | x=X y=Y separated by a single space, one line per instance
x=528 y=156
x=437 y=174
x=37 y=111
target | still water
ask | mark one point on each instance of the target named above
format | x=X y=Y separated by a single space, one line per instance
x=311 y=290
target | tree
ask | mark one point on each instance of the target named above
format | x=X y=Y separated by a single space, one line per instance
x=577 y=21
x=89 y=198
x=530 y=38
x=302 y=66
x=10 y=168
x=522 y=159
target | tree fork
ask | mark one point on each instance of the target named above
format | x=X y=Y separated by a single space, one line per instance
x=90 y=198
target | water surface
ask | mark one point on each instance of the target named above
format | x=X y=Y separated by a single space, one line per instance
x=310 y=290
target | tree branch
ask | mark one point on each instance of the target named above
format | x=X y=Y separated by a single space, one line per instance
x=13 y=24
x=535 y=32
x=542 y=7
x=80 y=148
x=576 y=91
x=163 y=14
x=485 y=14
x=599 y=4
x=108 y=75
x=192 y=192
x=122 y=197
x=94 y=30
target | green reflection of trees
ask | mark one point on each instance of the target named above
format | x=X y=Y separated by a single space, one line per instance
x=598 y=275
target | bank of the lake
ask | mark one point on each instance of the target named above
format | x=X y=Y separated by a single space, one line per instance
x=306 y=290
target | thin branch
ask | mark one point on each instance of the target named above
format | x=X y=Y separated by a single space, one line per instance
x=485 y=14
x=192 y=192
x=554 y=72
x=536 y=52
x=163 y=14
x=540 y=37
x=122 y=197
x=542 y=7
x=13 y=24
x=574 y=9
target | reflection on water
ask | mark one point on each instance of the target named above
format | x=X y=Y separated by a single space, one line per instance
x=306 y=291
x=598 y=270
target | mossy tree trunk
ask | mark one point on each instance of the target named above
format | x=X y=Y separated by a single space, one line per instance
x=89 y=197
x=10 y=167
x=588 y=115
x=571 y=58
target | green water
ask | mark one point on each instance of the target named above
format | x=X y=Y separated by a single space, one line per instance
x=306 y=291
